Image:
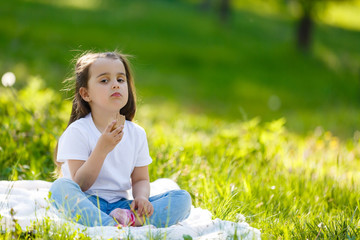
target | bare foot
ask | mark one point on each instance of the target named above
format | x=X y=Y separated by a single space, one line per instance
x=124 y=217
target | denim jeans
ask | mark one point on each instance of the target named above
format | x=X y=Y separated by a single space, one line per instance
x=89 y=210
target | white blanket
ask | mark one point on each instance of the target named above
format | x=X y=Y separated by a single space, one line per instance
x=29 y=201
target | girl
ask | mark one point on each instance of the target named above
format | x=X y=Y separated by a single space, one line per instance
x=100 y=161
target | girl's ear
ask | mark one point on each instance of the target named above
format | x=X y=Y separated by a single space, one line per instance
x=84 y=94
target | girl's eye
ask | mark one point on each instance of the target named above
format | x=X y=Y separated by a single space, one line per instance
x=104 y=80
x=121 y=80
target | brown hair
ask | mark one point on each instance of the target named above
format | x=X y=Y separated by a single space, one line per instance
x=80 y=108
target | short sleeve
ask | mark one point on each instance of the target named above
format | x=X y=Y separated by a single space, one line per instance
x=73 y=144
x=143 y=157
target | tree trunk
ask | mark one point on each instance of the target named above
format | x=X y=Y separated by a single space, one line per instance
x=224 y=10
x=304 y=32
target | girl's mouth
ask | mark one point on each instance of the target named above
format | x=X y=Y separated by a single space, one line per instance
x=116 y=94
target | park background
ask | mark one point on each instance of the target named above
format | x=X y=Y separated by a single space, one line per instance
x=256 y=117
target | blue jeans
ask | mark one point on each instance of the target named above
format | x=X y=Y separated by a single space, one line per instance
x=66 y=195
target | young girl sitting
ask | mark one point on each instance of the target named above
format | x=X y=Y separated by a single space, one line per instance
x=100 y=160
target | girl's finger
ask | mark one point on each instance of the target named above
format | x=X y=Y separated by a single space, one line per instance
x=132 y=206
x=141 y=210
x=119 y=129
x=146 y=210
x=151 y=211
x=119 y=137
x=109 y=126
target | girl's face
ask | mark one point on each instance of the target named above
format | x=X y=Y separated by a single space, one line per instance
x=107 y=86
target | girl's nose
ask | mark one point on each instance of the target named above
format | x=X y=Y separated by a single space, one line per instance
x=116 y=85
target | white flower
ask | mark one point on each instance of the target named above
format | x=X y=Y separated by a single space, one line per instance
x=240 y=218
x=274 y=103
x=8 y=79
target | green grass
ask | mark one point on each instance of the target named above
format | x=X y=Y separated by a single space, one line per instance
x=203 y=99
x=284 y=184
x=187 y=57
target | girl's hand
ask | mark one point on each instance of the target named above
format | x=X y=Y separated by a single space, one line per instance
x=142 y=206
x=109 y=139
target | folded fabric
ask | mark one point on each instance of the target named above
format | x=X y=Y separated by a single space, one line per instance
x=27 y=202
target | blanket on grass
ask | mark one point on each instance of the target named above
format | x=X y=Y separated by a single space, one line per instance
x=27 y=202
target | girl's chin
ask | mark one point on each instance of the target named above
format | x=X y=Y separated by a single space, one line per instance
x=117 y=110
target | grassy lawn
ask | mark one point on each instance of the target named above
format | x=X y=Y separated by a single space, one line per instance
x=186 y=57
x=234 y=113
x=284 y=184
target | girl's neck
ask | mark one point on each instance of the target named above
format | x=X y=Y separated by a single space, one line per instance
x=101 y=120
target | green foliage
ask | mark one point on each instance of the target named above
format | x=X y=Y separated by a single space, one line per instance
x=288 y=185
x=279 y=182
x=282 y=183
x=186 y=56
x=46 y=229
x=31 y=120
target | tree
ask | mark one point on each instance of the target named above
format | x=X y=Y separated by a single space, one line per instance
x=308 y=10
x=305 y=24
x=223 y=8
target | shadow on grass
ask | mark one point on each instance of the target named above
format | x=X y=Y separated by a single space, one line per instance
x=246 y=69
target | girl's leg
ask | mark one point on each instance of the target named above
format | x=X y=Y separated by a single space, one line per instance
x=68 y=197
x=170 y=208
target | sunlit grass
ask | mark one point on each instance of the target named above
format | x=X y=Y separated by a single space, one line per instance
x=204 y=93
x=186 y=56
x=282 y=183
x=343 y=14
x=77 y=4
x=42 y=229
x=346 y=15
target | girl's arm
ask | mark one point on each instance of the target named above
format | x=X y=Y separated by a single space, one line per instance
x=141 y=191
x=85 y=173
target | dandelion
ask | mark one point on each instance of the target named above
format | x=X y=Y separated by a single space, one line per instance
x=321 y=225
x=240 y=218
x=8 y=79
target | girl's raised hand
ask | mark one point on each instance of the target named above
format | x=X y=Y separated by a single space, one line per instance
x=109 y=139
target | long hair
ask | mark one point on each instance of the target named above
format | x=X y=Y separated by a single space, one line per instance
x=80 y=108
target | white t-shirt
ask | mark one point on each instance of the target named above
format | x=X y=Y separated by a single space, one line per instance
x=78 y=141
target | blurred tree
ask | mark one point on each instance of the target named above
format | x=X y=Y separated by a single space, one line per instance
x=223 y=8
x=305 y=24
x=308 y=11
